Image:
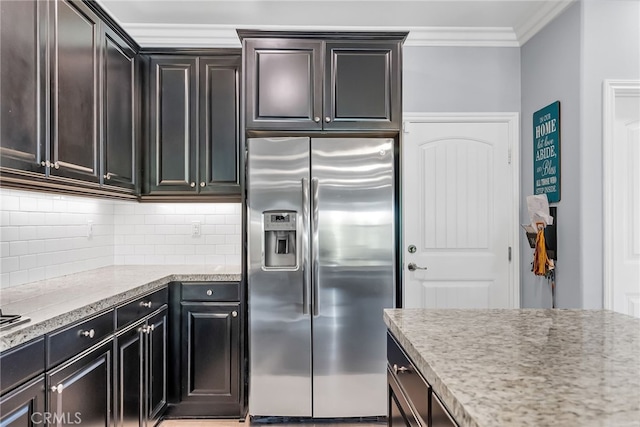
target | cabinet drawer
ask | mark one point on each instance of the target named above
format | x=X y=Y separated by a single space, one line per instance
x=413 y=385
x=73 y=339
x=211 y=291
x=141 y=307
x=19 y=364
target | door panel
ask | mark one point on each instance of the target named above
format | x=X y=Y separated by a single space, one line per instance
x=156 y=387
x=361 y=83
x=354 y=257
x=129 y=365
x=625 y=239
x=284 y=84
x=219 y=154
x=173 y=130
x=210 y=361
x=23 y=77
x=458 y=203
x=83 y=389
x=76 y=74
x=24 y=406
x=279 y=322
x=119 y=111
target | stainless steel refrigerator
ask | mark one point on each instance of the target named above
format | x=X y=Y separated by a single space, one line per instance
x=321 y=264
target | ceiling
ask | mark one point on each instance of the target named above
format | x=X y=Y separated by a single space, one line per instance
x=197 y=23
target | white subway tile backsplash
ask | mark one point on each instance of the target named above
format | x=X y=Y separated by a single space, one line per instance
x=45 y=236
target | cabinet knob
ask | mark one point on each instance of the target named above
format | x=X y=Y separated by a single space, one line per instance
x=193 y=184
x=316 y=119
x=89 y=334
x=209 y=292
x=202 y=184
x=327 y=119
x=400 y=369
x=108 y=175
x=56 y=165
x=145 y=304
x=45 y=163
x=234 y=313
x=57 y=389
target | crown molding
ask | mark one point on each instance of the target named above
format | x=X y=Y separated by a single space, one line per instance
x=204 y=35
x=538 y=20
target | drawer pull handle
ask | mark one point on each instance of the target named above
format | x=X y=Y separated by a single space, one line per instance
x=400 y=369
x=57 y=389
x=145 y=304
x=209 y=292
x=89 y=334
x=234 y=313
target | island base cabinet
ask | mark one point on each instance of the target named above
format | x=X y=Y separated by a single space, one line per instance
x=79 y=392
x=24 y=407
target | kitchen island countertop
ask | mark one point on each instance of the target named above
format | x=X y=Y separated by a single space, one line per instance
x=54 y=303
x=527 y=367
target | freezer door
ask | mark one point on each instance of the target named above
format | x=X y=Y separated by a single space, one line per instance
x=279 y=319
x=352 y=252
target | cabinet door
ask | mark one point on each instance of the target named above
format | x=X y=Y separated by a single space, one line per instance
x=284 y=84
x=129 y=371
x=75 y=60
x=119 y=121
x=172 y=150
x=80 y=391
x=219 y=137
x=23 y=84
x=24 y=406
x=362 y=85
x=156 y=384
x=210 y=355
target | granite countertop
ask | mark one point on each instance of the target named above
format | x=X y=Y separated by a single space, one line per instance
x=58 y=302
x=527 y=367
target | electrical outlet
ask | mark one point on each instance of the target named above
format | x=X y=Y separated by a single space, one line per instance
x=195 y=228
x=89 y=228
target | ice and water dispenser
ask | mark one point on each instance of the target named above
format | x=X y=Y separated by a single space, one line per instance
x=280 y=239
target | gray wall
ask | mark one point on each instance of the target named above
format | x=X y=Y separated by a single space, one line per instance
x=460 y=79
x=611 y=50
x=551 y=72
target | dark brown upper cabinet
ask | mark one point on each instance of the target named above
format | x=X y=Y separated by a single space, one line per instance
x=322 y=81
x=193 y=126
x=23 y=85
x=68 y=95
x=75 y=59
x=119 y=114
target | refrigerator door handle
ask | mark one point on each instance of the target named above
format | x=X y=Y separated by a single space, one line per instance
x=305 y=247
x=314 y=242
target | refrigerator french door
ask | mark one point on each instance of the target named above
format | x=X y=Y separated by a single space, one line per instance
x=321 y=251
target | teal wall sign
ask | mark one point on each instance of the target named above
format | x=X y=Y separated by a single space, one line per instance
x=546 y=152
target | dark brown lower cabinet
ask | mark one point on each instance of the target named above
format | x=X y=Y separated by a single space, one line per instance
x=411 y=400
x=129 y=377
x=156 y=366
x=210 y=359
x=141 y=367
x=24 y=407
x=79 y=391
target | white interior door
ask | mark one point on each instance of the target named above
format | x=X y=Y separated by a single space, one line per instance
x=460 y=192
x=622 y=182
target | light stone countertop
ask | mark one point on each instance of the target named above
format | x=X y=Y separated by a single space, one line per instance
x=58 y=302
x=526 y=368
